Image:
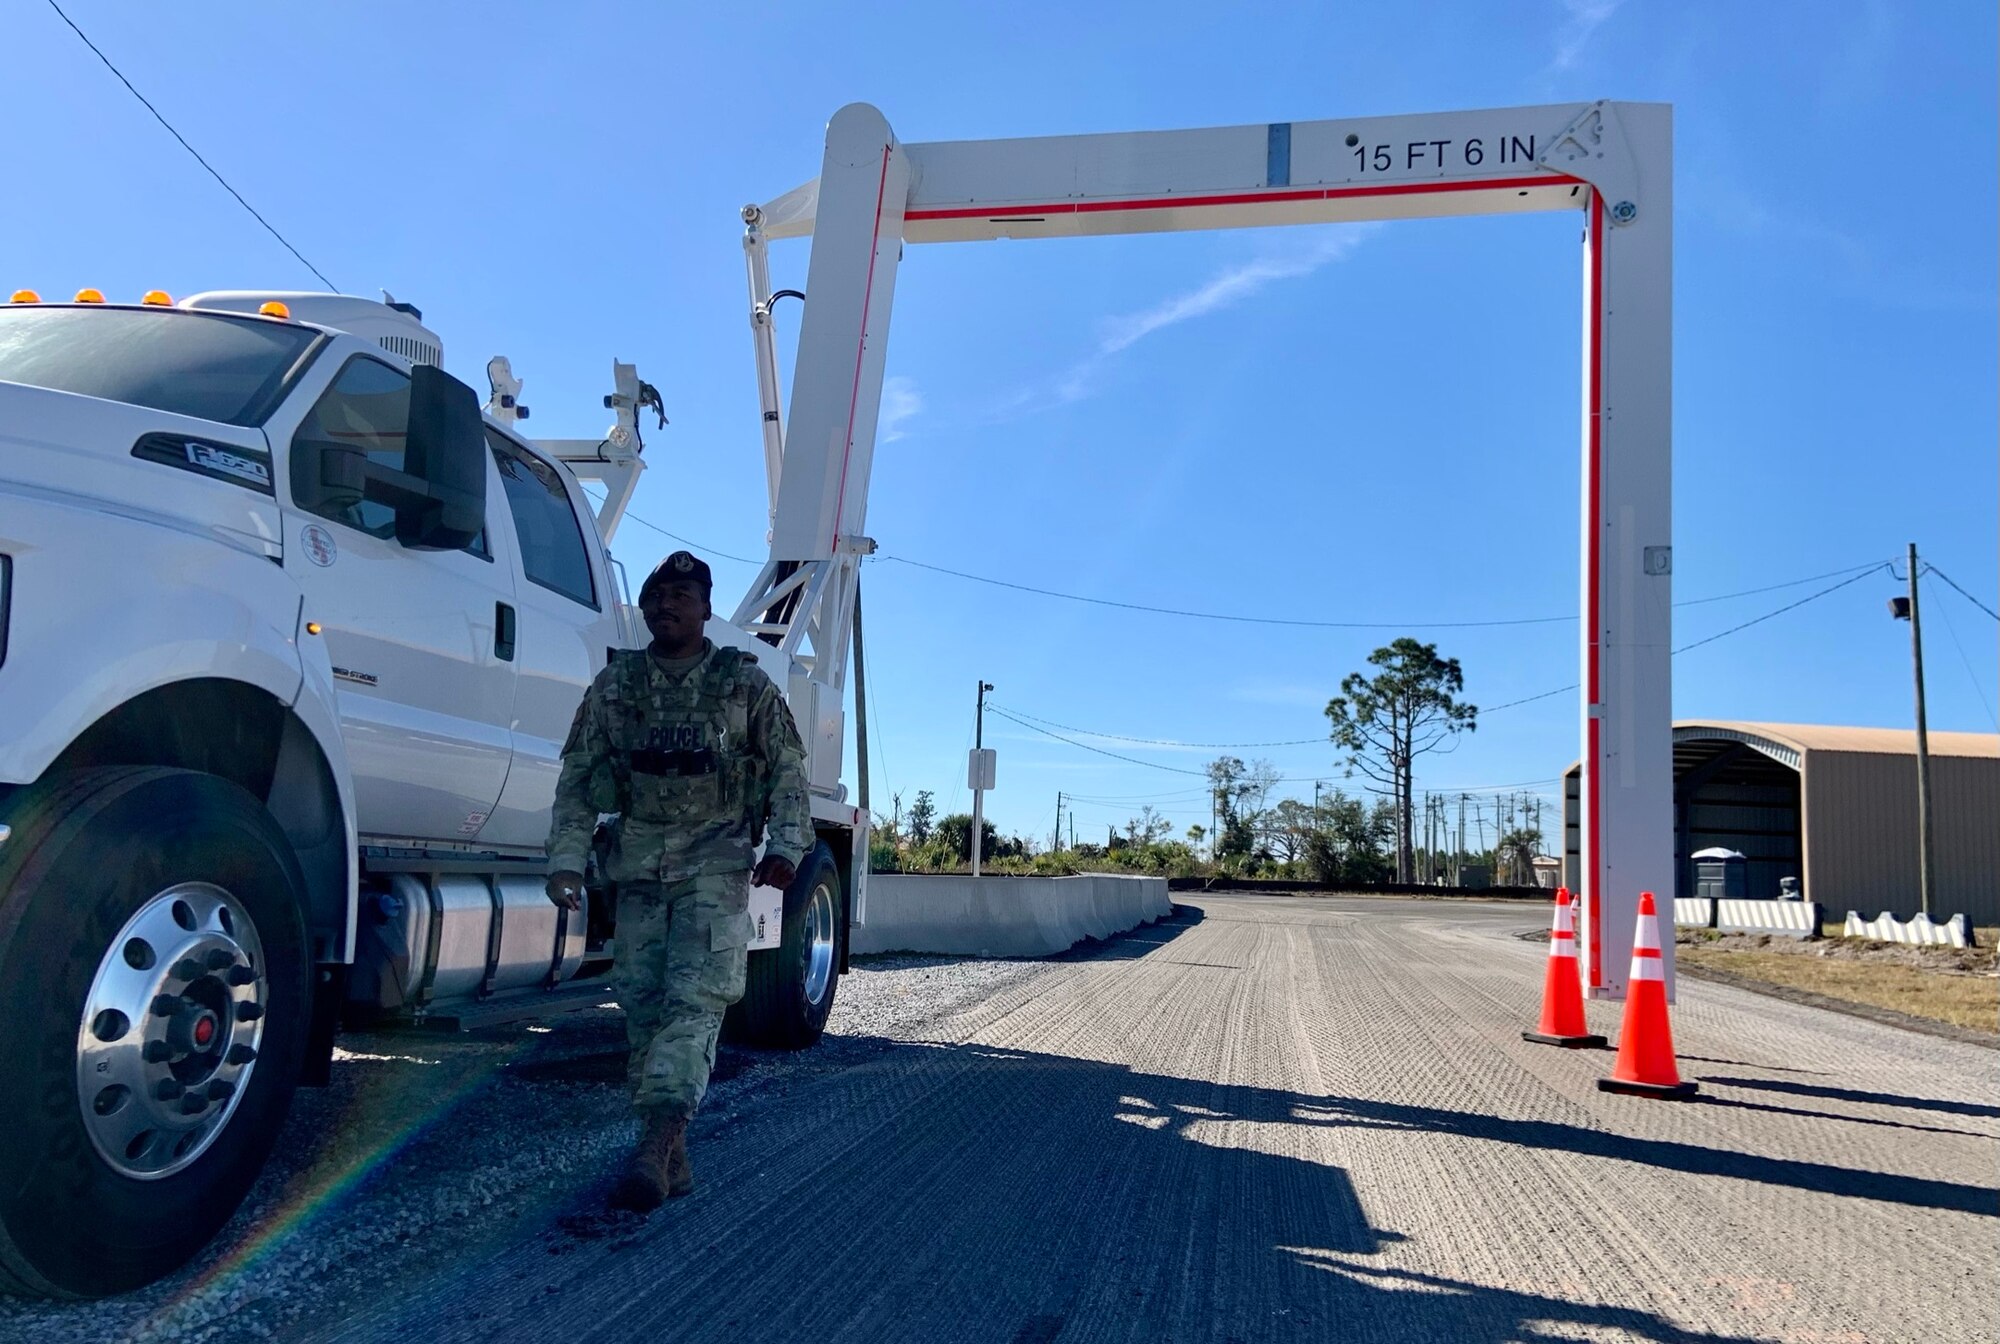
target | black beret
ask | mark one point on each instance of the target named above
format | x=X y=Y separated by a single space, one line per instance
x=679 y=565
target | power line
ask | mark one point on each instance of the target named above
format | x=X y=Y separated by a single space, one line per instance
x=144 y=102
x=1759 y=620
x=1528 y=699
x=1154 y=765
x=1219 y=616
x=1870 y=567
x=1978 y=687
x=1930 y=568
x=1858 y=572
x=1129 y=760
x=1168 y=742
x=691 y=545
x=1339 y=625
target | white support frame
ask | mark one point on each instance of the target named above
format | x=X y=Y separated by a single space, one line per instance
x=1610 y=161
x=612 y=461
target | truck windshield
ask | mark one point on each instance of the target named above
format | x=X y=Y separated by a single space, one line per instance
x=207 y=365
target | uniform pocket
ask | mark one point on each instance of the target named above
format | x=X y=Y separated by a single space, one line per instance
x=728 y=932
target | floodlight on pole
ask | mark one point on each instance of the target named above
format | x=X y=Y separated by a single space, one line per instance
x=979 y=774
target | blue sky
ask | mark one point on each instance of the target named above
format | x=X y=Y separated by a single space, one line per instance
x=1369 y=425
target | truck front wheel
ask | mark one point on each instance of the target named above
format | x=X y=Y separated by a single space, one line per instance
x=789 y=990
x=154 y=976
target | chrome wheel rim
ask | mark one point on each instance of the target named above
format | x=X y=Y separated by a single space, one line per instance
x=170 y=1030
x=819 y=931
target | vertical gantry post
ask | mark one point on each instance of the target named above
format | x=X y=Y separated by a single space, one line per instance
x=864 y=185
x=806 y=590
x=764 y=342
x=1627 y=784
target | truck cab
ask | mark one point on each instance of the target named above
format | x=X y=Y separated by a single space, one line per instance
x=291 y=636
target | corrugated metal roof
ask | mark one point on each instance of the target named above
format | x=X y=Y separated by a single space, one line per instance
x=1833 y=737
x=1794 y=738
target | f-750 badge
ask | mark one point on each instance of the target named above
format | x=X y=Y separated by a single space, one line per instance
x=212 y=458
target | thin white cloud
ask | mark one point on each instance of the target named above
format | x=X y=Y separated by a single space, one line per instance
x=901 y=402
x=1229 y=287
x=1232 y=286
x=1585 y=18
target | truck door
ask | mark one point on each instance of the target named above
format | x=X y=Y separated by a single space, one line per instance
x=422 y=642
x=567 y=623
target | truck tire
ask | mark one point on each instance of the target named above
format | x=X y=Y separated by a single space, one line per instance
x=788 y=991
x=154 y=974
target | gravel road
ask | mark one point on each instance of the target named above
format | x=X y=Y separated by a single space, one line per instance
x=1268 y=1119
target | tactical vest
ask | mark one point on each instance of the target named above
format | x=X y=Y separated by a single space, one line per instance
x=681 y=755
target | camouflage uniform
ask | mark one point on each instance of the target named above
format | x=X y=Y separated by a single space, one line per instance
x=695 y=764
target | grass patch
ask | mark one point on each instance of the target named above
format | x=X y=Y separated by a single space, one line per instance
x=1966 y=998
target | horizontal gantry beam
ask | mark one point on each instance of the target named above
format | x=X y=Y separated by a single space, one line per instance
x=1450 y=163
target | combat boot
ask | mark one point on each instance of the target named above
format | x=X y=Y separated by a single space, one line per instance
x=646 y=1179
x=680 y=1176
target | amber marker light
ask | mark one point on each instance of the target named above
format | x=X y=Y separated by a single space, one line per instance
x=158 y=298
x=274 y=309
x=25 y=296
x=312 y=627
x=90 y=296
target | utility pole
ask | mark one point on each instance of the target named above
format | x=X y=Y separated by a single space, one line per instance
x=1926 y=856
x=1458 y=851
x=1056 y=843
x=981 y=775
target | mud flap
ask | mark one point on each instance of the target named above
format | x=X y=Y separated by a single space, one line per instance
x=329 y=992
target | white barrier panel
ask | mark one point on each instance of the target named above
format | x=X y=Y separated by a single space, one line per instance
x=1920 y=929
x=1003 y=916
x=1780 y=919
x=1694 y=912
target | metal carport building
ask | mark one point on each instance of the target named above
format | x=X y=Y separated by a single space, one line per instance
x=1835 y=807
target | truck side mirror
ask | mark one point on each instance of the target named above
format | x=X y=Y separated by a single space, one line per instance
x=445 y=448
x=328 y=477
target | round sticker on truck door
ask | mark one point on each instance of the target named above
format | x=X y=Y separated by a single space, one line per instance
x=319 y=545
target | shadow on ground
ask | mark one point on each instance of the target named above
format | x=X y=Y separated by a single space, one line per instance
x=1969 y=1108
x=978 y=1193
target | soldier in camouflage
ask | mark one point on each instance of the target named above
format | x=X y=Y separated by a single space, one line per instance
x=694 y=751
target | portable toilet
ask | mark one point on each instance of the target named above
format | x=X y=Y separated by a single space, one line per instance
x=1721 y=874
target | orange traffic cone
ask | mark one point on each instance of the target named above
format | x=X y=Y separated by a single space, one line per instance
x=1562 y=987
x=1645 y=1064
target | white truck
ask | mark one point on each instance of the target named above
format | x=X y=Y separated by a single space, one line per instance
x=290 y=638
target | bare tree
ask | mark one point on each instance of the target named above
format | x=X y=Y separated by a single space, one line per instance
x=1387 y=721
x=1148 y=828
x=1253 y=791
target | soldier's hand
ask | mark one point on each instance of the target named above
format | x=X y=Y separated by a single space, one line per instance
x=774 y=871
x=565 y=888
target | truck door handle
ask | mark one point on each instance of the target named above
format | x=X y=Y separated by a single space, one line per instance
x=503 y=632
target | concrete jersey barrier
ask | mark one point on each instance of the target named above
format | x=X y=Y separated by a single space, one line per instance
x=953 y=914
x=1919 y=929
x=1694 y=912
x=1780 y=919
